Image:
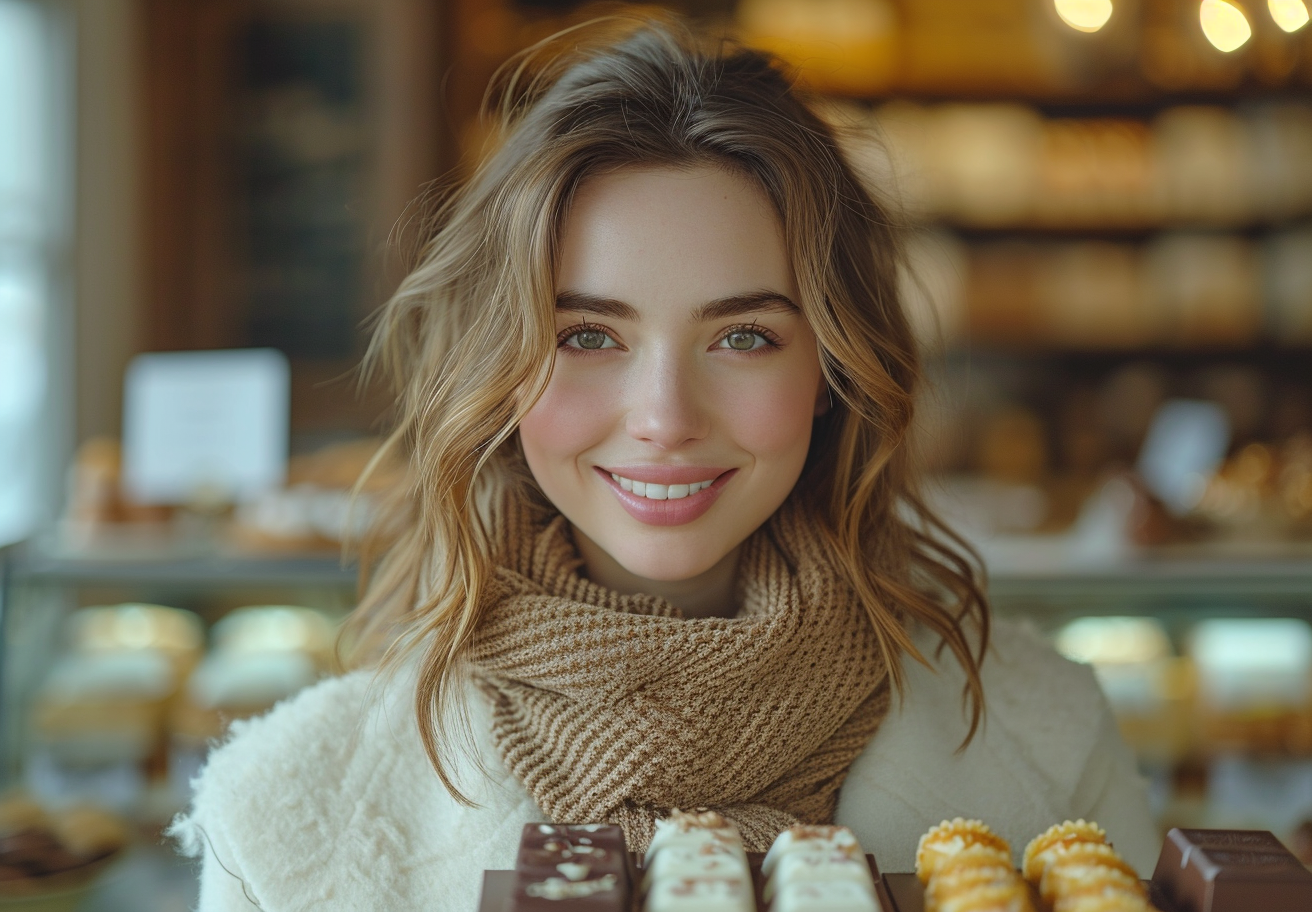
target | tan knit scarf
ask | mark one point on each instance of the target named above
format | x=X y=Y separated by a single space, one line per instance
x=615 y=708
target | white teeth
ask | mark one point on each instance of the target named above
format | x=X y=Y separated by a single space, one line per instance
x=654 y=491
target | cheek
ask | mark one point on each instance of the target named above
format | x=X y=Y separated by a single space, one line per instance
x=569 y=418
x=771 y=418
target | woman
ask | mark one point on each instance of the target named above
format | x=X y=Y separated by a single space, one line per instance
x=660 y=544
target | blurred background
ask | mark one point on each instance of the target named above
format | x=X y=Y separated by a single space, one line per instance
x=1109 y=207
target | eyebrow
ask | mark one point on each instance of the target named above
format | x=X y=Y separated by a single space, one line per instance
x=719 y=309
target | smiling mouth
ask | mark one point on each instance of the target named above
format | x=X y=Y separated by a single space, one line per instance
x=653 y=491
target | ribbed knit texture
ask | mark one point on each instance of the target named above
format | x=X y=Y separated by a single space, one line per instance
x=616 y=708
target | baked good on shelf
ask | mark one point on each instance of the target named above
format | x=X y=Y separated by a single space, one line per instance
x=46 y=850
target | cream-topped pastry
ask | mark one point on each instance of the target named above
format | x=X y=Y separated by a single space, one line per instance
x=696 y=863
x=692 y=829
x=819 y=867
x=711 y=858
x=805 y=838
x=701 y=894
x=821 y=896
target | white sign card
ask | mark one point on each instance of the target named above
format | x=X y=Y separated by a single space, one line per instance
x=208 y=423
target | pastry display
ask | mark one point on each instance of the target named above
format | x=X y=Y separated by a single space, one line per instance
x=697 y=864
x=105 y=700
x=260 y=655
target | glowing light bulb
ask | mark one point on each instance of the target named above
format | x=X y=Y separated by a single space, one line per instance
x=1084 y=15
x=1290 y=15
x=1224 y=24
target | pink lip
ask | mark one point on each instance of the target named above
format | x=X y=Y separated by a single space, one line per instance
x=668 y=512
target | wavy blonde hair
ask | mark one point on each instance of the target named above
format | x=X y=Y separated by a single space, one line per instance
x=468 y=341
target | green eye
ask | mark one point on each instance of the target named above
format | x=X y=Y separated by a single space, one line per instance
x=590 y=339
x=741 y=340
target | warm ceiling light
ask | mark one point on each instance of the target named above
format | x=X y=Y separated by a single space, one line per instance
x=1290 y=15
x=1085 y=15
x=1224 y=25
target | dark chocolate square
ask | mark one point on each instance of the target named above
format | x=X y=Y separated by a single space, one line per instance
x=571 y=866
x=1230 y=871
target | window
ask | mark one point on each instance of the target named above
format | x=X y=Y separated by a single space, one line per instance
x=29 y=227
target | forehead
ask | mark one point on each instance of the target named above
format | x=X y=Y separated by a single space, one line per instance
x=665 y=237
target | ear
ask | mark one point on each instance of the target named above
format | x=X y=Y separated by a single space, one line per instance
x=824 y=399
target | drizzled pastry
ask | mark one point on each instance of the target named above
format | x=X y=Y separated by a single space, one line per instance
x=972 y=868
x=818 y=869
x=951 y=837
x=1011 y=896
x=1077 y=870
x=966 y=867
x=1054 y=838
x=1082 y=866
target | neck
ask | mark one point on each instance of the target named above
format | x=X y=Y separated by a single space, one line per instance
x=709 y=594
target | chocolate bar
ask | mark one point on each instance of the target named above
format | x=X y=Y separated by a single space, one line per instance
x=1229 y=871
x=571 y=866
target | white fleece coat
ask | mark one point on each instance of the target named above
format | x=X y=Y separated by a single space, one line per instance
x=328 y=802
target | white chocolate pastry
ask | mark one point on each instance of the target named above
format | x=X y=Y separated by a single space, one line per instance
x=819 y=866
x=709 y=859
x=824 y=896
x=810 y=838
x=693 y=830
x=701 y=894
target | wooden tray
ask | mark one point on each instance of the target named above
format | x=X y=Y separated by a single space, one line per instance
x=499 y=886
x=909 y=896
x=896 y=892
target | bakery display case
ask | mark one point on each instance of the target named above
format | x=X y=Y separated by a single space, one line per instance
x=113 y=706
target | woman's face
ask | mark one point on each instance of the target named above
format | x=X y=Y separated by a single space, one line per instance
x=679 y=412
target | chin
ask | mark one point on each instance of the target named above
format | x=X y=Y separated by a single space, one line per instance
x=669 y=568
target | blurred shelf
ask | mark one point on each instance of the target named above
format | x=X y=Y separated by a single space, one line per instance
x=1125 y=99
x=1029 y=573
x=193 y=568
x=1054 y=232
x=1267 y=352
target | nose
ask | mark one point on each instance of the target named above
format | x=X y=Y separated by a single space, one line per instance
x=665 y=402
